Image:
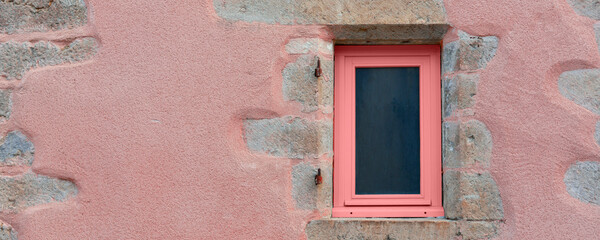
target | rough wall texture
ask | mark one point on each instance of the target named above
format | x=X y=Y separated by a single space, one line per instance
x=159 y=111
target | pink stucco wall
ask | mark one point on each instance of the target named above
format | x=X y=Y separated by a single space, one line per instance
x=150 y=130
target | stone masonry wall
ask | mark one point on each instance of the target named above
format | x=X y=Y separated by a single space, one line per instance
x=20 y=186
x=582 y=86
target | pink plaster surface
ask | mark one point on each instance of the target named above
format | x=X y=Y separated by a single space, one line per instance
x=150 y=129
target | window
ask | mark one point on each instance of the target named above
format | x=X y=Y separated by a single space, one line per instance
x=387 y=131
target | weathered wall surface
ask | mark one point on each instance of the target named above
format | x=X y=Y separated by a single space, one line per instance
x=203 y=119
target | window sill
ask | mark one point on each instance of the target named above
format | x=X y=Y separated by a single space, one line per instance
x=400 y=228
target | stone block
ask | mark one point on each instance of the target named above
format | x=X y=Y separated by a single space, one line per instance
x=471 y=230
x=300 y=83
x=382 y=229
x=345 y=12
x=471 y=196
x=309 y=45
x=468 y=53
x=449 y=57
x=5 y=103
x=475 y=144
x=587 y=8
x=290 y=137
x=18 y=58
x=459 y=92
x=466 y=145
x=21 y=16
x=582 y=180
x=450 y=144
x=305 y=192
x=582 y=87
x=20 y=192
x=388 y=34
x=7 y=232
x=16 y=150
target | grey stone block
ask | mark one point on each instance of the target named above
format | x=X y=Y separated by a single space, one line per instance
x=466 y=145
x=290 y=137
x=309 y=45
x=449 y=57
x=16 y=150
x=20 y=192
x=468 y=53
x=471 y=230
x=305 y=192
x=388 y=33
x=382 y=229
x=582 y=87
x=300 y=83
x=459 y=92
x=583 y=181
x=587 y=8
x=7 y=232
x=450 y=144
x=471 y=196
x=346 y=12
x=18 y=58
x=21 y=16
x=5 y=103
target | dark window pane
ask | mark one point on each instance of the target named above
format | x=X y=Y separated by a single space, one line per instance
x=387 y=131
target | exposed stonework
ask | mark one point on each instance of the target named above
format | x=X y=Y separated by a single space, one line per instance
x=29 y=189
x=7 y=232
x=16 y=150
x=587 y=8
x=336 y=12
x=582 y=87
x=583 y=181
x=305 y=192
x=450 y=144
x=290 y=137
x=468 y=53
x=478 y=229
x=5 y=103
x=475 y=144
x=18 y=16
x=300 y=83
x=382 y=229
x=309 y=45
x=459 y=92
x=471 y=196
x=466 y=145
x=18 y=58
x=388 y=34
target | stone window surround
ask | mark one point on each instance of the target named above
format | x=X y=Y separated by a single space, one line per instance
x=465 y=221
x=471 y=200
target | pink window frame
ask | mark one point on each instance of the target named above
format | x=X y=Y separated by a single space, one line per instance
x=429 y=202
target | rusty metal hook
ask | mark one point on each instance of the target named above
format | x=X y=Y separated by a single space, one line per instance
x=318 y=177
x=318 y=70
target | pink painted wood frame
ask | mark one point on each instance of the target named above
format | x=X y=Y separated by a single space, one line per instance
x=429 y=202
